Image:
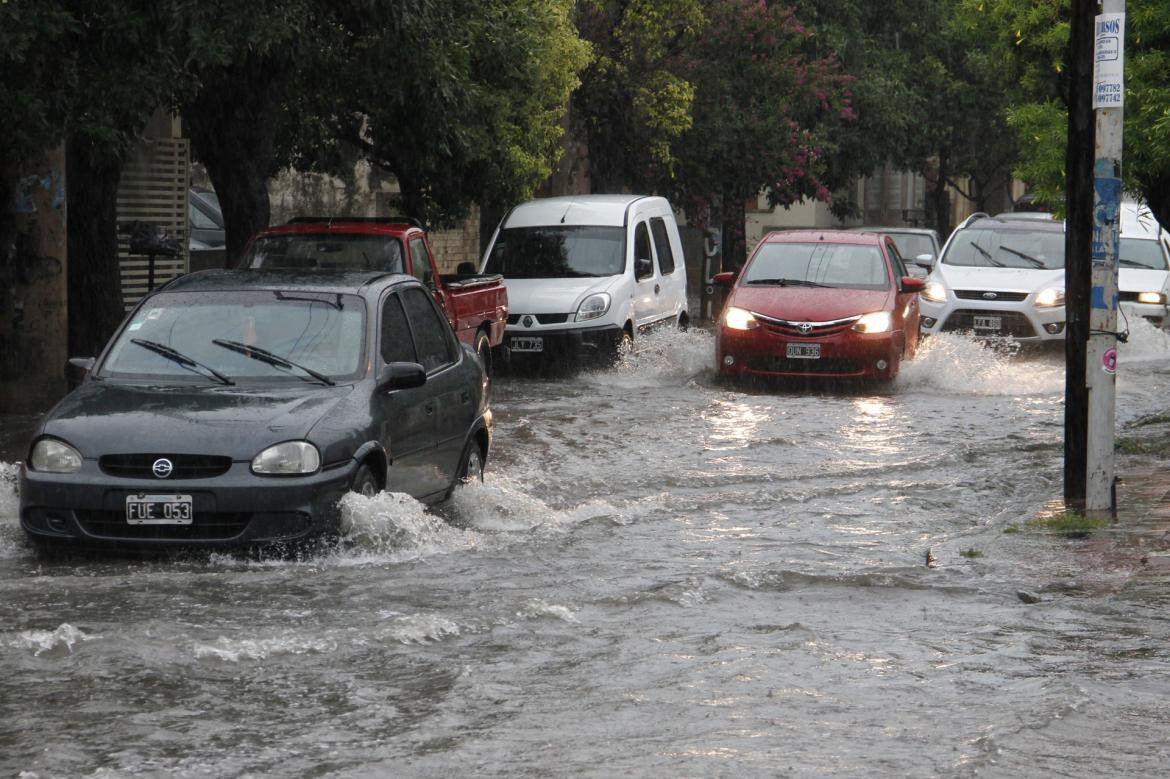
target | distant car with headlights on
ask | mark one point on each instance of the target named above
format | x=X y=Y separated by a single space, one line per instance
x=999 y=277
x=822 y=304
x=1143 y=265
x=235 y=408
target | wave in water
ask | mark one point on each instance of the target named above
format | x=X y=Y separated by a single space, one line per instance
x=52 y=642
x=962 y=365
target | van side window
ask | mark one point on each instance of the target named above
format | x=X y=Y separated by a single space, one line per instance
x=662 y=244
x=397 y=345
x=432 y=338
x=420 y=262
x=642 y=270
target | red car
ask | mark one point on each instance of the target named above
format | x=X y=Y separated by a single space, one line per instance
x=819 y=303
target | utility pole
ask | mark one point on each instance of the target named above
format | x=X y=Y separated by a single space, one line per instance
x=1101 y=352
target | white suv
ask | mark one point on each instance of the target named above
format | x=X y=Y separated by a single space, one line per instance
x=587 y=273
x=999 y=277
x=1143 y=265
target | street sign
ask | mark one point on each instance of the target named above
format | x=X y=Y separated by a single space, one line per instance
x=1109 y=61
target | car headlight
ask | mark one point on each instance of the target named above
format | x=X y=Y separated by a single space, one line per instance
x=52 y=456
x=1053 y=296
x=592 y=307
x=287 y=459
x=1155 y=298
x=739 y=319
x=935 y=292
x=877 y=322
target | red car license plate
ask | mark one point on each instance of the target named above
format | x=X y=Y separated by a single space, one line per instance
x=804 y=351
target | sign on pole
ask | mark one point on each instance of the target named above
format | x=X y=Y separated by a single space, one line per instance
x=1109 y=62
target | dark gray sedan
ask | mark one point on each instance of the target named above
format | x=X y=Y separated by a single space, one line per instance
x=236 y=408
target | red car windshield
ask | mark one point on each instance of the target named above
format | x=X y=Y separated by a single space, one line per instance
x=853 y=266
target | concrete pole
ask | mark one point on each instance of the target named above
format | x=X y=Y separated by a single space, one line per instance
x=1101 y=352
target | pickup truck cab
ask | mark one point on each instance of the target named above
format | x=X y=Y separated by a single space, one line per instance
x=587 y=273
x=475 y=305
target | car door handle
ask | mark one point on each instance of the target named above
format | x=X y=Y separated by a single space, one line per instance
x=429 y=408
x=657 y=289
x=465 y=397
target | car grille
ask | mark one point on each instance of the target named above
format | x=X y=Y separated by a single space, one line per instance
x=792 y=327
x=783 y=365
x=207 y=526
x=185 y=466
x=544 y=319
x=980 y=294
x=1012 y=323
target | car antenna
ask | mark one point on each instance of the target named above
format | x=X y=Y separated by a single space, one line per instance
x=571 y=201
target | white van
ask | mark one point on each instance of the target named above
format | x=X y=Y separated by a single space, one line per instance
x=1143 y=264
x=587 y=273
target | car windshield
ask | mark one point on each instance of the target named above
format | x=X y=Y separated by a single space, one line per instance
x=557 y=252
x=332 y=251
x=1036 y=249
x=1141 y=253
x=175 y=334
x=911 y=245
x=817 y=264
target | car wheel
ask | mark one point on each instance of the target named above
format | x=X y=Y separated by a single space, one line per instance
x=683 y=322
x=364 y=482
x=625 y=345
x=483 y=349
x=471 y=465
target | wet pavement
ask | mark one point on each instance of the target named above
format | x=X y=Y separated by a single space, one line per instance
x=662 y=575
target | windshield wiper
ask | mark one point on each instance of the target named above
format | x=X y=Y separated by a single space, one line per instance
x=1136 y=264
x=265 y=356
x=987 y=254
x=1023 y=256
x=176 y=356
x=786 y=282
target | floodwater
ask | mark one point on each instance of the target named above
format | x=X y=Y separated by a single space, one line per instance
x=661 y=576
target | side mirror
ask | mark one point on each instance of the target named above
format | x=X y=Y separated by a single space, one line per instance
x=76 y=369
x=643 y=267
x=401 y=375
x=924 y=261
x=724 y=279
x=428 y=278
x=911 y=284
x=465 y=269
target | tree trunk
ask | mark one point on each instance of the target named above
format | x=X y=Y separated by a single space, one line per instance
x=231 y=122
x=940 y=201
x=1156 y=193
x=94 y=275
x=734 y=233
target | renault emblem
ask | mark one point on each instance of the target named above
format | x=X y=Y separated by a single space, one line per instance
x=527 y=320
x=805 y=328
x=162 y=467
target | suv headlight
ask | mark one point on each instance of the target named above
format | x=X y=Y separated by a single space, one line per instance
x=1154 y=298
x=52 y=456
x=1052 y=296
x=739 y=319
x=935 y=292
x=877 y=322
x=593 y=306
x=287 y=459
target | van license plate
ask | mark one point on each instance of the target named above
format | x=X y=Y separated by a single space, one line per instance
x=987 y=323
x=526 y=344
x=159 y=509
x=804 y=351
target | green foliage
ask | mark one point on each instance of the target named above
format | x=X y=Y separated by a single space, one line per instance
x=1068 y=524
x=971 y=554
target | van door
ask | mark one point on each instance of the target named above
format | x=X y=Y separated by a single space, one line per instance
x=671 y=268
x=647 y=283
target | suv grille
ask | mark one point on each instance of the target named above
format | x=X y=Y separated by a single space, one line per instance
x=1011 y=323
x=979 y=294
x=186 y=466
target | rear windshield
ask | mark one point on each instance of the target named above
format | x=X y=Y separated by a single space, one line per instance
x=975 y=247
x=548 y=252
x=818 y=264
x=1141 y=253
x=335 y=251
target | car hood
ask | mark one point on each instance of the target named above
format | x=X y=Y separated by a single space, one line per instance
x=101 y=417
x=999 y=279
x=810 y=304
x=1141 y=279
x=553 y=296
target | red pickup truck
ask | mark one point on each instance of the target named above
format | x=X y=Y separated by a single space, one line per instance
x=476 y=306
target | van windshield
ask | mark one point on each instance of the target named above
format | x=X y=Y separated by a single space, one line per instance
x=549 y=252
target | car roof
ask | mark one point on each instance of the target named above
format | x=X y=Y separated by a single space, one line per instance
x=892 y=230
x=1009 y=222
x=592 y=210
x=828 y=236
x=344 y=225
x=344 y=282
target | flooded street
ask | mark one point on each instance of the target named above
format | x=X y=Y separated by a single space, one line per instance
x=661 y=575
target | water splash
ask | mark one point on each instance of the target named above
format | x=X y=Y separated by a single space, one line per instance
x=59 y=641
x=289 y=643
x=963 y=365
x=1146 y=342
x=397 y=527
x=665 y=354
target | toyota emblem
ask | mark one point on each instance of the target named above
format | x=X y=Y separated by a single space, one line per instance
x=805 y=328
x=527 y=321
x=990 y=295
x=162 y=467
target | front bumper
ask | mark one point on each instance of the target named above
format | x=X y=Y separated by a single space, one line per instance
x=1021 y=320
x=843 y=355
x=234 y=509
x=1155 y=313
x=566 y=343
